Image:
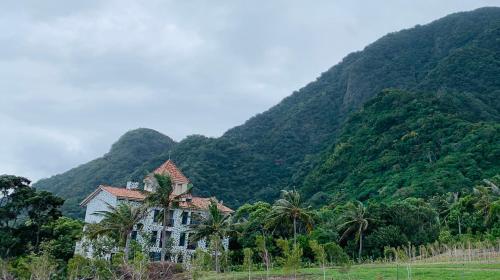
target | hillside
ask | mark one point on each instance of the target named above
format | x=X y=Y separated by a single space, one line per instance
x=457 y=54
x=409 y=145
x=126 y=155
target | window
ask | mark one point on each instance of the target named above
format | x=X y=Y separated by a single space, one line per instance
x=154 y=256
x=182 y=239
x=192 y=245
x=156 y=215
x=195 y=218
x=185 y=216
x=154 y=235
x=169 y=235
x=170 y=221
x=133 y=235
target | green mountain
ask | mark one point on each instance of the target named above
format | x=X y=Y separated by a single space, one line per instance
x=126 y=155
x=456 y=56
x=405 y=144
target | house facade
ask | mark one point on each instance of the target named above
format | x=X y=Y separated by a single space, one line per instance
x=148 y=231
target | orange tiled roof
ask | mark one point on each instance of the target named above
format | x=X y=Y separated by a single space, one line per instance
x=202 y=203
x=124 y=193
x=169 y=168
x=116 y=191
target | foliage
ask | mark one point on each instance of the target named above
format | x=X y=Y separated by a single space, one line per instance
x=335 y=254
x=291 y=257
x=248 y=261
x=118 y=223
x=64 y=233
x=353 y=220
x=216 y=226
x=319 y=255
x=26 y=216
x=83 y=268
x=288 y=211
x=405 y=144
x=260 y=244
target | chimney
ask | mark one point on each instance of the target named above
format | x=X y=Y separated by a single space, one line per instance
x=132 y=185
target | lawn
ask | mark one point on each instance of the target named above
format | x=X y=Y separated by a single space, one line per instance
x=469 y=271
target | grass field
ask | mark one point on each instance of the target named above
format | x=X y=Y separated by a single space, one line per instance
x=469 y=271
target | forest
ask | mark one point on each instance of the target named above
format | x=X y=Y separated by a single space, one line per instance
x=38 y=242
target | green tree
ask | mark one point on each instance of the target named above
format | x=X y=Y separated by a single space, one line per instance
x=291 y=256
x=486 y=194
x=319 y=255
x=24 y=212
x=260 y=243
x=247 y=261
x=164 y=198
x=216 y=225
x=288 y=210
x=62 y=236
x=353 y=220
x=118 y=222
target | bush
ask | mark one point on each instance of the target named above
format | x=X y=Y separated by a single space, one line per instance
x=163 y=270
x=336 y=254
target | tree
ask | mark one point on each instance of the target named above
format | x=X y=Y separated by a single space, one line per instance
x=215 y=226
x=118 y=222
x=164 y=198
x=260 y=242
x=24 y=211
x=485 y=196
x=62 y=236
x=319 y=255
x=289 y=210
x=247 y=261
x=291 y=257
x=353 y=220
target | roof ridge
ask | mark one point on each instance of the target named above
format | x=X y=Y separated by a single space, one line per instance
x=169 y=167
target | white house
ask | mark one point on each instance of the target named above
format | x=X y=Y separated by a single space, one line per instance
x=178 y=226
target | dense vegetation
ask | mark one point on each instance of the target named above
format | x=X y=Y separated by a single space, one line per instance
x=31 y=223
x=285 y=235
x=457 y=56
x=409 y=145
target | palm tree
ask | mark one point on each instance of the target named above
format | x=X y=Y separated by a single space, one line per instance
x=118 y=223
x=216 y=224
x=485 y=197
x=289 y=210
x=353 y=219
x=451 y=205
x=164 y=198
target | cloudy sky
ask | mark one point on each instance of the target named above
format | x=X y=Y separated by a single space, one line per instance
x=75 y=75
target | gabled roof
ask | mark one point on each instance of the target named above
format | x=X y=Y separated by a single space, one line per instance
x=120 y=193
x=169 y=168
x=202 y=203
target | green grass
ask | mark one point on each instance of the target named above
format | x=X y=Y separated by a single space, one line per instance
x=380 y=271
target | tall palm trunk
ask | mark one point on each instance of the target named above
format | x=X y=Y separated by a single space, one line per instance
x=127 y=247
x=217 y=268
x=360 y=244
x=459 y=226
x=164 y=234
x=294 y=231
